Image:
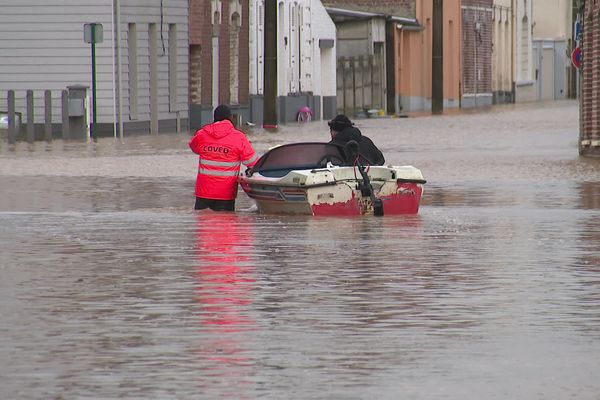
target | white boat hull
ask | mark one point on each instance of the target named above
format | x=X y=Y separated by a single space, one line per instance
x=336 y=191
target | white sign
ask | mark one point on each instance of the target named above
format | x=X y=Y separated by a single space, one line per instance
x=96 y=30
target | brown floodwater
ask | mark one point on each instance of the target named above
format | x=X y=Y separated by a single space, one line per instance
x=112 y=287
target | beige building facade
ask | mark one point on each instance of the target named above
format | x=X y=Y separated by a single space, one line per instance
x=414 y=49
x=552 y=44
x=525 y=88
x=503 y=38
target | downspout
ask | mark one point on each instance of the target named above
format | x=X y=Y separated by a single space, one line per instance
x=119 y=72
x=580 y=79
x=114 y=80
x=513 y=26
x=475 y=60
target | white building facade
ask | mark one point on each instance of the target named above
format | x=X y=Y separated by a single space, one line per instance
x=552 y=46
x=503 y=37
x=525 y=83
x=306 y=60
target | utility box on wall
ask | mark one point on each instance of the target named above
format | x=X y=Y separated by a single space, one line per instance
x=77 y=110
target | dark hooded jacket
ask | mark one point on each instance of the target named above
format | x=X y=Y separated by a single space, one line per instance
x=366 y=148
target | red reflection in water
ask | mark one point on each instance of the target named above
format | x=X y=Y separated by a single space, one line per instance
x=224 y=284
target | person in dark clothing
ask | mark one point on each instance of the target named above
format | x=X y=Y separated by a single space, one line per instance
x=343 y=130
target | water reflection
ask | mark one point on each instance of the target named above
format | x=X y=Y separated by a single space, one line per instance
x=225 y=280
x=590 y=195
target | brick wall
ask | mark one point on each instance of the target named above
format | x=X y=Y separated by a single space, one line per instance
x=476 y=46
x=590 y=86
x=398 y=8
x=201 y=34
x=244 y=55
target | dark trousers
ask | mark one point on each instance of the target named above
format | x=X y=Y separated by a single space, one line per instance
x=215 y=205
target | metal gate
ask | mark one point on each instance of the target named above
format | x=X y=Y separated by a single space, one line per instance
x=360 y=84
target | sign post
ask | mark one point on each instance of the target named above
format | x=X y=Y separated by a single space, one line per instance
x=93 y=33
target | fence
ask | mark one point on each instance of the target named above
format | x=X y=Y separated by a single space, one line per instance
x=30 y=115
x=360 y=84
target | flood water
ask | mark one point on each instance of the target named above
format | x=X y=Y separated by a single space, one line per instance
x=112 y=287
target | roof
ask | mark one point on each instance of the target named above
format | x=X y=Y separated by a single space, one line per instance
x=343 y=14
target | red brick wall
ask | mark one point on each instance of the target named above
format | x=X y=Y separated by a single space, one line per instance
x=590 y=96
x=244 y=64
x=224 y=54
x=483 y=40
x=398 y=8
x=201 y=33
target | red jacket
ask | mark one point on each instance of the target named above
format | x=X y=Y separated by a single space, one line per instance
x=222 y=149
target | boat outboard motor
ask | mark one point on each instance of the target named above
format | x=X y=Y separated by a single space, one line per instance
x=352 y=154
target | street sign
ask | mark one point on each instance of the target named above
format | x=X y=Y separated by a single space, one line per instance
x=577 y=57
x=93 y=33
x=577 y=31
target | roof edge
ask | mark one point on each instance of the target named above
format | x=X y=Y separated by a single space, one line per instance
x=342 y=12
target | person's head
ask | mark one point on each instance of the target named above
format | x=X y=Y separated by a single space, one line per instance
x=221 y=113
x=338 y=124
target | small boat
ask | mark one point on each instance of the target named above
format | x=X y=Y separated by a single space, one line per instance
x=325 y=179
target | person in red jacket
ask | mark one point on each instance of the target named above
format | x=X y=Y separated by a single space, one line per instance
x=222 y=149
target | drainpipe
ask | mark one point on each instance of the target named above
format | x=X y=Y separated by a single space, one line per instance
x=512 y=50
x=477 y=29
x=119 y=71
x=114 y=78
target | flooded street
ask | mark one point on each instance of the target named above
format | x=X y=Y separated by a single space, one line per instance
x=113 y=287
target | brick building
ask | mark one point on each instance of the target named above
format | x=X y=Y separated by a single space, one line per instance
x=589 y=143
x=477 y=24
x=219 y=58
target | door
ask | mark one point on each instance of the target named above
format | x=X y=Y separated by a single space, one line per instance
x=547 y=81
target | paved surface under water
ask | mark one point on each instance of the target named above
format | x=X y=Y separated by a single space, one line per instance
x=111 y=287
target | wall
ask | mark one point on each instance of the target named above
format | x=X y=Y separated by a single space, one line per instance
x=142 y=14
x=414 y=52
x=552 y=19
x=552 y=34
x=220 y=39
x=399 y=8
x=589 y=143
x=503 y=52
x=525 y=88
x=42 y=48
x=305 y=60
